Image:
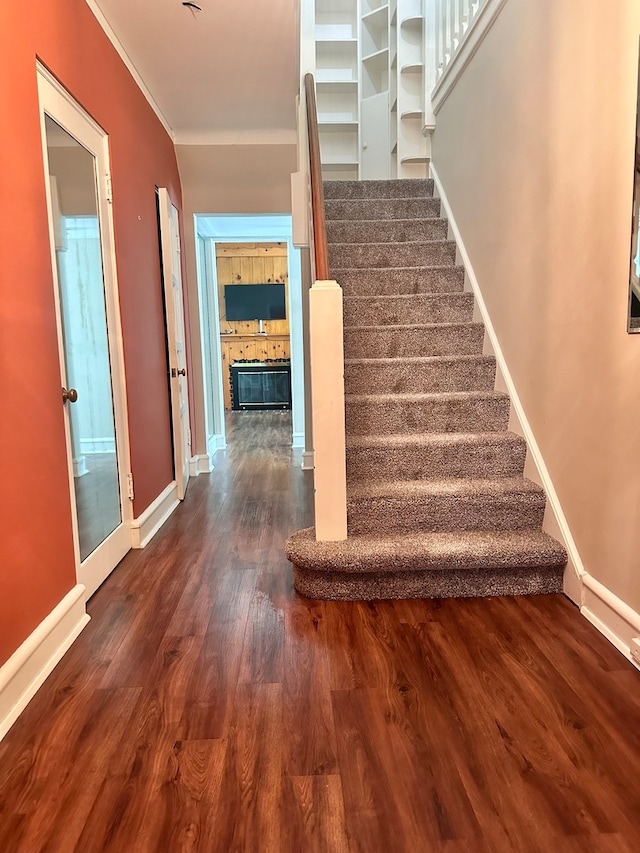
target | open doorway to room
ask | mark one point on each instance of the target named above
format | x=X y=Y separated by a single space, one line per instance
x=250 y=295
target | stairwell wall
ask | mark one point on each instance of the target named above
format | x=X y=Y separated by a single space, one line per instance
x=534 y=149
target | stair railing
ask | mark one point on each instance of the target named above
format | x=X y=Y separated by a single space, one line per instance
x=326 y=356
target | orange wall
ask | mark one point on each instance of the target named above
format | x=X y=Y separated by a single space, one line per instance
x=36 y=549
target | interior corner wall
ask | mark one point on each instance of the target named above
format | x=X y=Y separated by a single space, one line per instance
x=534 y=147
x=36 y=548
x=226 y=179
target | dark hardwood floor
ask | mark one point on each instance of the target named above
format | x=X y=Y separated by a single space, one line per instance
x=208 y=707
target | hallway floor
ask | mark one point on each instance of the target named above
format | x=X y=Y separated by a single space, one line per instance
x=208 y=707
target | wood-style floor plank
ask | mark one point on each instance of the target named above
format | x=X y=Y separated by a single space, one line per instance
x=207 y=707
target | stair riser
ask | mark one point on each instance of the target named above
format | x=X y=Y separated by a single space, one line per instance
x=406 y=342
x=391 y=255
x=444 y=308
x=380 y=282
x=406 y=188
x=400 y=416
x=447 y=512
x=406 y=377
x=387 y=232
x=383 y=209
x=343 y=586
x=428 y=462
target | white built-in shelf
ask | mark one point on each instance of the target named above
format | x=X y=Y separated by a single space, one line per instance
x=412 y=68
x=378 y=57
x=336 y=41
x=408 y=160
x=412 y=21
x=336 y=126
x=378 y=17
x=411 y=114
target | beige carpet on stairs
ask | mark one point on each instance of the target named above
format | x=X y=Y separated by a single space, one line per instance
x=437 y=504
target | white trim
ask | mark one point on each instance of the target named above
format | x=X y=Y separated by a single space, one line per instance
x=307 y=460
x=297 y=440
x=216 y=442
x=470 y=43
x=576 y=570
x=610 y=615
x=32 y=662
x=59 y=104
x=97 y=445
x=124 y=56
x=146 y=525
x=200 y=464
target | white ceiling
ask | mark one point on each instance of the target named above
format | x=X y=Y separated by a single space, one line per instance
x=226 y=74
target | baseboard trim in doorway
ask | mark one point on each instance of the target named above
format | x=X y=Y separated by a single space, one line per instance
x=29 y=666
x=201 y=464
x=307 y=460
x=146 y=525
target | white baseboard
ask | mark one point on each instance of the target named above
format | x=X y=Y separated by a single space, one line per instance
x=29 y=666
x=200 y=464
x=145 y=527
x=611 y=616
x=216 y=442
x=297 y=440
x=80 y=466
x=307 y=460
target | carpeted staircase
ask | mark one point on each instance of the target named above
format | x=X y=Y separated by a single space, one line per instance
x=437 y=503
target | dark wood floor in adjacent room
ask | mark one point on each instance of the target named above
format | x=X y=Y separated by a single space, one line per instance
x=207 y=707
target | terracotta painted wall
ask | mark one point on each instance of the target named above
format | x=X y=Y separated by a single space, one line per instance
x=36 y=551
x=535 y=150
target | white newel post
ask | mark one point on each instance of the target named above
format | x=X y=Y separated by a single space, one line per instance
x=327 y=389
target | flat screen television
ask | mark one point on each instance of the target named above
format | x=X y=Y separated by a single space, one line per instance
x=254 y=302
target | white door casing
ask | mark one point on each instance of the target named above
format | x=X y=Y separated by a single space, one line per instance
x=57 y=105
x=176 y=337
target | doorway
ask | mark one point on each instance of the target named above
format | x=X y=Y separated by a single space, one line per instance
x=235 y=250
x=91 y=372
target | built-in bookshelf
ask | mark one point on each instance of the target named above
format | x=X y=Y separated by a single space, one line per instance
x=369 y=67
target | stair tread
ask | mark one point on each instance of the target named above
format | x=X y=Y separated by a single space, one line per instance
x=411 y=297
x=430 y=551
x=421 y=359
x=455 y=486
x=425 y=396
x=422 y=438
x=423 y=326
x=392 y=243
x=385 y=223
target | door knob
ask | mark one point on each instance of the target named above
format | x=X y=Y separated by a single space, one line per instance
x=69 y=396
x=175 y=372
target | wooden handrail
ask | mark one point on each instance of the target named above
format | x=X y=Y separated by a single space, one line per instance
x=321 y=250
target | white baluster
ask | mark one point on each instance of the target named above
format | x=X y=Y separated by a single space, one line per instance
x=456 y=28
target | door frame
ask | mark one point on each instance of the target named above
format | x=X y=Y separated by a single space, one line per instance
x=247 y=228
x=177 y=358
x=55 y=101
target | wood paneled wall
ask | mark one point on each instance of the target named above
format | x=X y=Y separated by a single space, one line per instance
x=251 y=263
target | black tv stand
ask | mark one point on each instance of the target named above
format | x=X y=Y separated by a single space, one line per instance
x=261 y=385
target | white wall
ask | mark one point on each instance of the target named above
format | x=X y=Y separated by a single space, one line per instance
x=534 y=147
